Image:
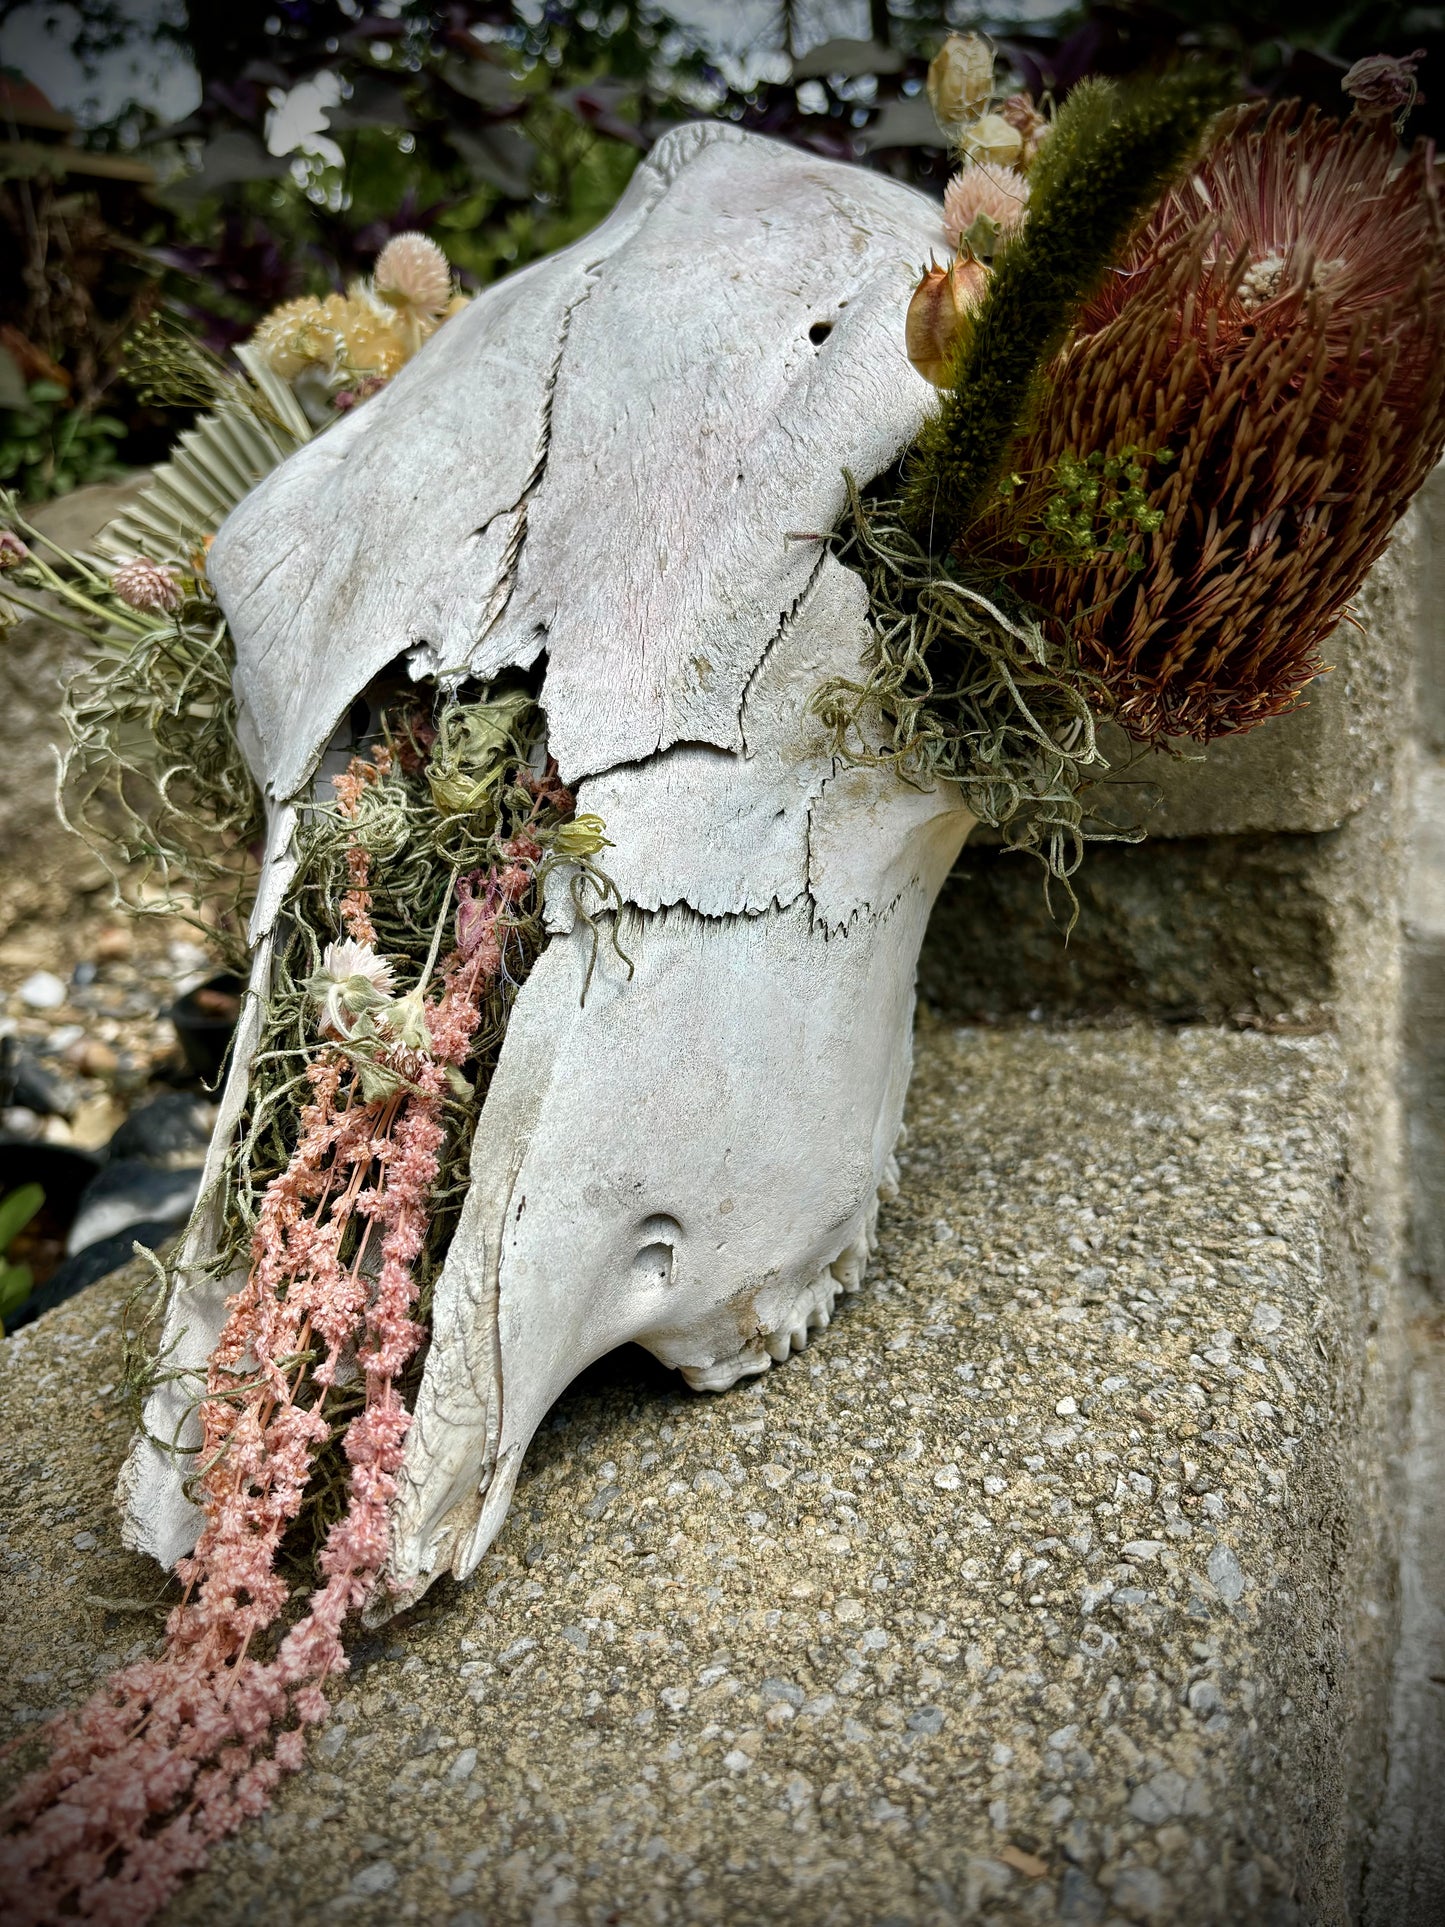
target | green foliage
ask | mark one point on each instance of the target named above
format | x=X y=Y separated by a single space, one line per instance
x=17 y=1208
x=1096 y=508
x=1112 y=153
x=49 y=447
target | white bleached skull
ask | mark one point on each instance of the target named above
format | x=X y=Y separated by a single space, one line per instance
x=601 y=463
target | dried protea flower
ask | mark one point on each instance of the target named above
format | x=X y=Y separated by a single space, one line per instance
x=1032 y=127
x=145 y=585
x=412 y=272
x=960 y=79
x=1287 y=348
x=998 y=193
x=1385 y=86
x=12 y=550
x=938 y=315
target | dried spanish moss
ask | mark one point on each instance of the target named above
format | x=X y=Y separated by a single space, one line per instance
x=961 y=689
x=152 y=778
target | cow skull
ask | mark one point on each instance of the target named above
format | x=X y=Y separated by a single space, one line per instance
x=619 y=459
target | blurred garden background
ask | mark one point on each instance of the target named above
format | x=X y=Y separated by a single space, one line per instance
x=212 y=160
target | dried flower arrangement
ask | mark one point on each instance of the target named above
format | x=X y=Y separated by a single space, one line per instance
x=412 y=918
x=1192 y=365
x=1094 y=524
x=427 y=870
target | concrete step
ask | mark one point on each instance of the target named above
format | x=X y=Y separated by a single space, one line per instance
x=1051 y=1583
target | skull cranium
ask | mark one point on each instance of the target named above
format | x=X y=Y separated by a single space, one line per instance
x=600 y=463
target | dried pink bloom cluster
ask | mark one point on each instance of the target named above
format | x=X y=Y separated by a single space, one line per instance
x=412 y=272
x=999 y=192
x=177 y=1751
x=145 y=585
x=12 y=550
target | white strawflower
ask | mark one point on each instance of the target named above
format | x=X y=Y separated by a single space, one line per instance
x=352 y=980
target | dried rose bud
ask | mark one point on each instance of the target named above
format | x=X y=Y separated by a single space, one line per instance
x=1381 y=84
x=938 y=316
x=12 y=550
x=991 y=142
x=145 y=585
x=1032 y=127
x=960 y=79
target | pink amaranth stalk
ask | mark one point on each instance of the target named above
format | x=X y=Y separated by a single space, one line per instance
x=172 y=1753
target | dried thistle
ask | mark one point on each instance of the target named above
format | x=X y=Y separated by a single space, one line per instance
x=412 y=272
x=1289 y=346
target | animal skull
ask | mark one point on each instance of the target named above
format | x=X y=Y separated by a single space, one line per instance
x=603 y=460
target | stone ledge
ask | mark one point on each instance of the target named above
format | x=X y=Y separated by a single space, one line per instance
x=1272 y=930
x=1024 y=1595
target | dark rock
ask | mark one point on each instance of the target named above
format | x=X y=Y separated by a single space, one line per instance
x=173 y=1127
x=27 y=1083
x=88 y=1267
x=128 y=1191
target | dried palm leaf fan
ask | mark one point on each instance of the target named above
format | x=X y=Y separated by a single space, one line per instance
x=252 y=426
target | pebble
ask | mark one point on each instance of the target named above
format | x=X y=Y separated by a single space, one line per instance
x=1226 y=1575
x=43 y=990
x=111 y=943
x=378 y=1878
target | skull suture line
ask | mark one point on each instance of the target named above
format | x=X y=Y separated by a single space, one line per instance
x=604 y=461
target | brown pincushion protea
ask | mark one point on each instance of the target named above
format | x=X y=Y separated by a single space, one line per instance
x=1279 y=329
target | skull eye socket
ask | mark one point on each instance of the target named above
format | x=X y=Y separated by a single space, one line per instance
x=657 y=1254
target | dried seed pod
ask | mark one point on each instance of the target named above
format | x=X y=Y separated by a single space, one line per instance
x=960 y=79
x=1033 y=129
x=990 y=141
x=939 y=313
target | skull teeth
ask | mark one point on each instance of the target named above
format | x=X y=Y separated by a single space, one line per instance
x=812 y=1311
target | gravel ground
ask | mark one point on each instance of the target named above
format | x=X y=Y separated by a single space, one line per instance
x=93 y=1016
x=1039 y=1588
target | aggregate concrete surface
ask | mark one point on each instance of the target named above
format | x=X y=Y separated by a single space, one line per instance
x=1046 y=1585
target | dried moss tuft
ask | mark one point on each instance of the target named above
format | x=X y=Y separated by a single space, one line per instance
x=966 y=687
